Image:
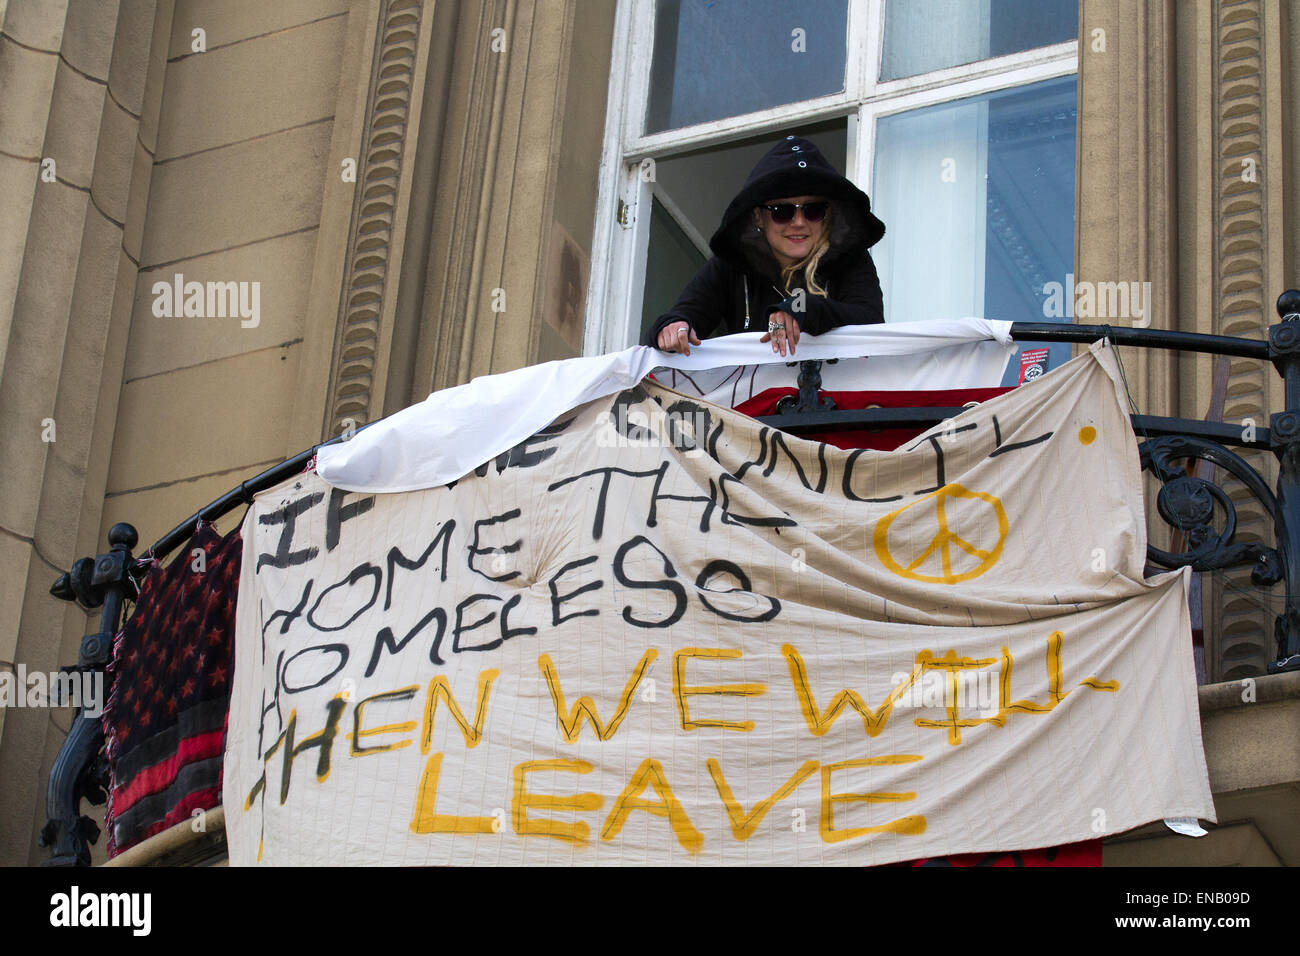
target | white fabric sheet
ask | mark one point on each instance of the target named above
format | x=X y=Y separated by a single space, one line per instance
x=455 y=430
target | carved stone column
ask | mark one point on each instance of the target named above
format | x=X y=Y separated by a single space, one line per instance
x=1182 y=167
x=78 y=125
x=382 y=194
x=1240 y=259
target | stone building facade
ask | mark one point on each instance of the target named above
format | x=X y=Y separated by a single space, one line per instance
x=411 y=193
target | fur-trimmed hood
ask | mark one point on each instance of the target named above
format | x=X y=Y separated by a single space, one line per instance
x=796 y=167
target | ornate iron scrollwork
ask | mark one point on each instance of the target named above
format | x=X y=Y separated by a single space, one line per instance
x=1188 y=503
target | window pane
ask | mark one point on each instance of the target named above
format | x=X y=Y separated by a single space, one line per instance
x=978 y=199
x=720 y=58
x=699 y=186
x=671 y=262
x=925 y=35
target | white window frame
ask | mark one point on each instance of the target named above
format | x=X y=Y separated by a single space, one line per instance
x=621 y=233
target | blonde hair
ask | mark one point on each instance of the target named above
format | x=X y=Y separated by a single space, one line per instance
x=810 y=261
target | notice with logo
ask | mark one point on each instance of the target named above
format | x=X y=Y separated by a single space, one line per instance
x=659 y=632
x=1033 y=363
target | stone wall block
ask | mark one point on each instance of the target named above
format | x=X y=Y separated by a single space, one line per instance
x=88 y=37
x=16 y=558
x=36 y=341
x=95 y=286
x=253 y=88
x=229 y=21
x=27 y=79
x=18 y=186
x=76 y=109
x=183 y=435
x=36 y=24
x=129 y=69
x=240 y=194
x=137 y=203
x=156 y=510
x=281 y=266
x=115 y=155
x=155 y=77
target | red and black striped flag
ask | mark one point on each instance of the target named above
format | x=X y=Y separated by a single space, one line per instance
x=166 y=716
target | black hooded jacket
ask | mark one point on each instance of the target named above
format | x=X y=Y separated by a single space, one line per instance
x=740 y=285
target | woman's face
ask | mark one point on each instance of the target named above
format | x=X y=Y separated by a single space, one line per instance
x=790 y=241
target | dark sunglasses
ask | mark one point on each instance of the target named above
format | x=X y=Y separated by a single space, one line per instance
x=783 y=212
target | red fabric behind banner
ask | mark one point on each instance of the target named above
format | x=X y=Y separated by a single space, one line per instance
x=1087 y=853
x=881 y=439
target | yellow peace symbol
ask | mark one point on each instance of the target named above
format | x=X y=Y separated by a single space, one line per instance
x=943 y=539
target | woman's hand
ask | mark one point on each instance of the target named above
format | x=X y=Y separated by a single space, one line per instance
x=789 y=332
x=678 y=337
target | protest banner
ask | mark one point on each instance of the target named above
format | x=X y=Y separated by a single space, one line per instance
x=659 y=632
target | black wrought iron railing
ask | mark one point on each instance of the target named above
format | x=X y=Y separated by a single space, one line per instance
x=1189 y=501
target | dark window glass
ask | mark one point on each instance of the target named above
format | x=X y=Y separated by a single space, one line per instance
x=720 y=58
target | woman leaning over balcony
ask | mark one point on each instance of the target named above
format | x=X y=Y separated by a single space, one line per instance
x=791 y=254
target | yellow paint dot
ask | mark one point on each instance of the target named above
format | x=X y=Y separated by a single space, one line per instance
x=1086 y=434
